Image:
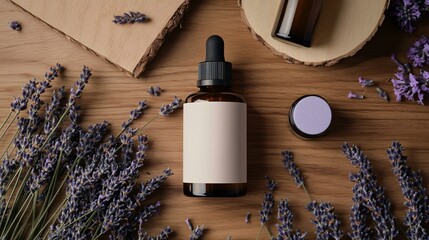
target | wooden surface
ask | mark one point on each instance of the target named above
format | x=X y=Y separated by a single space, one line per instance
x=88 y=23
x=270 y=86
x=343 y=29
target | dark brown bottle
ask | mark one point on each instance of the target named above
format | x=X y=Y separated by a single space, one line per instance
x=297 y=21
x=214 y=135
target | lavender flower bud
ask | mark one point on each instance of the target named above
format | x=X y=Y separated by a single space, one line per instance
x=247 y=217
x=169 y=108
x=197 y=233
x=293 y=170
x=271 y=185
x=189 y=224
x=79 y=85
x=327 y=223
x=285 y=228
x=352 y=95
x=366 y=82
x=267 y=206
x=382 y=94
x=154 y=91
x=14 y=25
x=134 y=114
x=130 y=17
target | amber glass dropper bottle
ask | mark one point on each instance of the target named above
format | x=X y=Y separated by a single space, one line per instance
x=214 y=131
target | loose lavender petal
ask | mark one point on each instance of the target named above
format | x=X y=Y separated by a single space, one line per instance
x=154 y=91
x=382 y=94
x=365 y=82
x=169 y=108
x=247 y=217
x=352 y=95
x=293 y=170
x=130 y=17
x=15 y=25
x=189 y=224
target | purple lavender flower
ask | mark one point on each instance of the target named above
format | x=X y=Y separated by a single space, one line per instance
x=154 y=91
x=15 y=25
x=418 y=54
x=358 y=222
x=130 y=17
x=197 y=233
x=134 y=114
x=77 y=89
x=189 y=224
x=327 y=223
x=416 y=199
x=267 y=206
x=169 y=108
x=382 y=94
x=290 y=165
x=285 y=228
x=271 y=184
x=152 y=184
x=247 y=217
x=352 y=95
x=409 y=86
x=369 y=194
x=406 y=13
x=366 y=82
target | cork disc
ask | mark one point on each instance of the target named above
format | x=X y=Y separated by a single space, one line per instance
x=343 y=28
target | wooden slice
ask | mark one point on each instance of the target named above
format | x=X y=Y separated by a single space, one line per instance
x=89 y=23
x=343 y=28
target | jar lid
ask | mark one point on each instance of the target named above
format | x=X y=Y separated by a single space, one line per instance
x=310 y=116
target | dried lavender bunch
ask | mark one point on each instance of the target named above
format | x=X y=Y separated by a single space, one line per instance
x=169 y=108
x=15 y=25
x=369 y=194
x=327 y=223
x=407 y=12
x=130 y=17
x=416 y=199
x=154 y=91
x=285 y=228
x=418 y=54
x=408 y=85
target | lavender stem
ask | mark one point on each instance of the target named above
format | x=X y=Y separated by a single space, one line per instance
x=6 y=119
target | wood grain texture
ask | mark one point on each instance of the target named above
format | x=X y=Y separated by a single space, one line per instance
x=270 y=86
x=343 y=29
x=129 y=47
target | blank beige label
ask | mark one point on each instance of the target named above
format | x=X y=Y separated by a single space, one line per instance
x=215 y=142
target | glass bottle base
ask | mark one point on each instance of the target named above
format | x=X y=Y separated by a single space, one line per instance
x=214 y=190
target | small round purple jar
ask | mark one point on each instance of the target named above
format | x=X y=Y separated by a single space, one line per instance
x=310 y=116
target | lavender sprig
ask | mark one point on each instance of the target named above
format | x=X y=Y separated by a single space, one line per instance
x=134 y=114
x=154 y=91
x=267 y=206
x=293 y=170
x=327 y=223
x=418 y=54
x=130 y=17
x=416 y=199
x=358 y=222
x=164 y=234
x=152 y=184
x=169 y=108
x=369 y=194
x=15 y=25
x=285 y=228
x=197 y=233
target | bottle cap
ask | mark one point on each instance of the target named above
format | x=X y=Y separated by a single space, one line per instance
x=214 y=71
x=310 y=116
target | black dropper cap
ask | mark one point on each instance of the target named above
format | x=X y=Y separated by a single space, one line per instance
x=214 y=71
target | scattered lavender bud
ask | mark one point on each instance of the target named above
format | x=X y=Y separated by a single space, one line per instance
x=247 y=217
x=271 y=185
x=418 y=54
x=293 y=170
x=169 y=108
x=365 y=82
x=229 y=238
x=15 y=25
x=267 y=206
x=352 y=95
x=154 y=91
x=382 y=94
x=130 y=17
x=189 y=224
x=197 y=233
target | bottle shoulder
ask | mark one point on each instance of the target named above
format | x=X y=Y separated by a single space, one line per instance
x=215 y=97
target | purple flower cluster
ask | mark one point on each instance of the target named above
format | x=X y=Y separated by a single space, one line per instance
x=408 y=85
x=418 y=54
x=285 y=228
x=411 y=182
x=407 y=12
x=327 y=223
x=293 y=170
x=368 y=194
x=169 y=108
x=130 y=17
